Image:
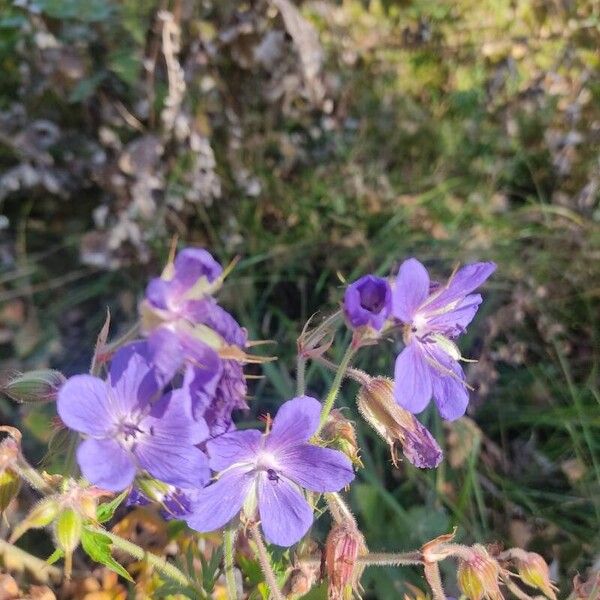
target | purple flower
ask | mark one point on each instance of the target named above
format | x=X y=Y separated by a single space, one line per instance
x=368 y=301
x=176 y=503
x=127 y=430
x=184 y=281
x=214 y=399
x=268 y=472
x=433 y=316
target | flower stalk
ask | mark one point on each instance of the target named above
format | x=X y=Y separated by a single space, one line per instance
x=335 y=386
x=265 y=563
x=229 y=537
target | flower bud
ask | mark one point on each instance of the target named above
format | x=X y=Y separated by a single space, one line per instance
x=41 y=515
x=10 y=484
x=397 y=426
x=68 y=529
x=343 y=546
x=338 y=432
x=534 y=572
x=478 y=575
x=67 y=532
x=34 y=386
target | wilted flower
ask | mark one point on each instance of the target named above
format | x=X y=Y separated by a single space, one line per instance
x=397 y=426
x=343 y=546
x=533 y=571
x=268 y=471
x=368 y=301
x=126 y=431
x=478 y=575
x=433 y=317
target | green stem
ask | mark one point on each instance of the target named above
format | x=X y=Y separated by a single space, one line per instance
x=229 y=535
x=335 y=386
x=160 y=564
x=265 y=563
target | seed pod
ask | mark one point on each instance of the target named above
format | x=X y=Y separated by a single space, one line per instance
x=35 y=386
x=10 y=484
x=41 y=515
x=67 y=532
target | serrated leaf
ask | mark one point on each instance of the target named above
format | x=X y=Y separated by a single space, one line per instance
x=97 y=547
x=106 y=511
x=56 y=555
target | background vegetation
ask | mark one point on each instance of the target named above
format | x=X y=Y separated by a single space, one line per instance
x=320 y=150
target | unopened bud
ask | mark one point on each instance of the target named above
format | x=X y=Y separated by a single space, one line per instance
x=67 y=533
x=68 y=529
x=338 y=432
x=343 y=546
x=10 y=484
x=41 y=515
x=34 y=386
x=397 y=426
x=534 y=571
x=478 y=575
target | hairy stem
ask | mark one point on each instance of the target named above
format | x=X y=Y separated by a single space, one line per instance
x=229 y=536
x=355 y=374
x=379 y=559
x=160 y=564
x=338 y=509
x=335 y=386
x=434 y=579
x=300 y=375
x=385 y=559
x=265 y=563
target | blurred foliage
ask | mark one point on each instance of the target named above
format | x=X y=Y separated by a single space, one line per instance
x=448 y=130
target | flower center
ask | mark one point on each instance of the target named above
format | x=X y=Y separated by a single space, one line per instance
x=129 y=432
x=372 y=296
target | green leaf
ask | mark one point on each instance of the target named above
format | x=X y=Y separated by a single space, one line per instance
x=97 y=547
x=56 y=555
x=105 y=511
